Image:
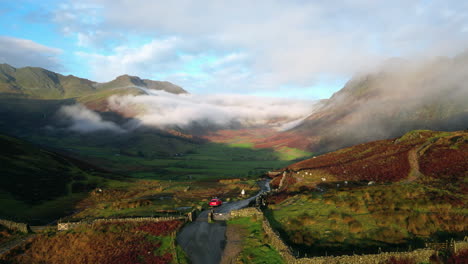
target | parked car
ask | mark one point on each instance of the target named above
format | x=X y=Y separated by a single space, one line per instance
x=216 y=202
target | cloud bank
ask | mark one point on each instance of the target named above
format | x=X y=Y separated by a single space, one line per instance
x=84 y=120
x=164 y=110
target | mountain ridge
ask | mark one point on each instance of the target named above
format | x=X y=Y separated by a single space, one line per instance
x=36 y=82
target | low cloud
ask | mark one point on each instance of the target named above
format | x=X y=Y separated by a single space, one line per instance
x=84 y=120
x=164 y=110
x=161 y=109
x=22 y=52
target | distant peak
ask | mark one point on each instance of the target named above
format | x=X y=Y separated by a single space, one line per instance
x=129 y=80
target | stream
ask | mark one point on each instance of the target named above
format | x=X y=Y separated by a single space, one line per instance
x=204 y=242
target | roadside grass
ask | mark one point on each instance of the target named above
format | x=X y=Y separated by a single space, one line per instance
x=255 y=248
x=364 y=219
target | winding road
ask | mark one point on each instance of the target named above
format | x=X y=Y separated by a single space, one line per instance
x=204 y=242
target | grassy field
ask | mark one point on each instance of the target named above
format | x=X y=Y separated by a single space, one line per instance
x=364 y=219
x=188 y=161
x=254 y=246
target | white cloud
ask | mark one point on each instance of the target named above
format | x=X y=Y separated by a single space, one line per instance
x=84 y=120
x=158 y=54
x=283 y=42
x=23 y=52
x=165 y=110
x=161 y=109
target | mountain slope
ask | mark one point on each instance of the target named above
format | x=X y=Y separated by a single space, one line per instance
x=400 y=97
x=417 y=156
x=39 y=83
x=32 y=176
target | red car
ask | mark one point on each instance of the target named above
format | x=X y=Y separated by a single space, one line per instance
x=216 y=202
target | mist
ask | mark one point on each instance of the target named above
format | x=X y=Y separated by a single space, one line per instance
x=83 y=120
x=399 y=96
x=165 y=110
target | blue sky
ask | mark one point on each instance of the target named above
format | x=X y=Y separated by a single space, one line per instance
x=300 y=49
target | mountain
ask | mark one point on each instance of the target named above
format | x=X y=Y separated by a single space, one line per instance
x=134 y=81
x=40 y=83
x=399 y=97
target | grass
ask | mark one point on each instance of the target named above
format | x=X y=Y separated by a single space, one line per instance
x=143 y=242
x=254 y=246
x=187 y=161
x=40 y=185
x=241 y=145
x=158 y=198
x=364 y=219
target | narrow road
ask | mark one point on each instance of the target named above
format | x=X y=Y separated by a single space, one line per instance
x=204 y=242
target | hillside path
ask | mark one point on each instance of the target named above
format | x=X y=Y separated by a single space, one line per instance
x=413 y=159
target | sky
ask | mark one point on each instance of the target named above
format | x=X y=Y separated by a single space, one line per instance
x=289 y=49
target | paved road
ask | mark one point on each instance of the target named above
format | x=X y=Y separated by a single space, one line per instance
x=204 y=242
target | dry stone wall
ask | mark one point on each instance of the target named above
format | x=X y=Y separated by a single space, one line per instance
x=15 y=226
x=71 y=225
x=249 y=211
x=420 y=255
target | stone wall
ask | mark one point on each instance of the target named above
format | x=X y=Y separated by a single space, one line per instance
x=15 y=226
x=278 y=243
x=249 y=211
x=421 y=255
x=220 y=216
x=71 y=225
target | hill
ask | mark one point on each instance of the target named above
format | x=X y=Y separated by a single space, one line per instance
x=420 y=155
x=39 y=185
x=40 y=83
x=387 y=194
